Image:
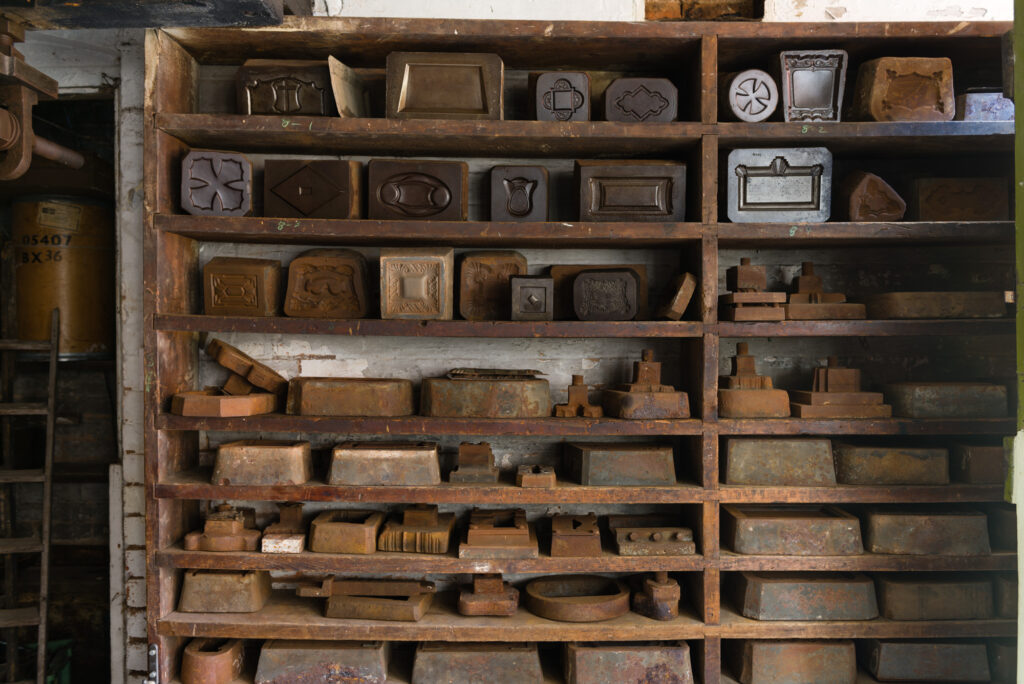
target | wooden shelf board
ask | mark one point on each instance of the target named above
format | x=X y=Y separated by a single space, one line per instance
x=423 y=425
x=866 y=562
x=289 y=617
x=866 y=328
x=733 y=626
x=950 y=493
x=456 y=233
x=402 y=328
x=801 y=235
x=195 y=484
x=887 y=137
x=411 y=137
x=420 y=563
x=865 y=426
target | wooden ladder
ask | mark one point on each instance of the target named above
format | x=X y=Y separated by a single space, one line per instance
x=13 y=616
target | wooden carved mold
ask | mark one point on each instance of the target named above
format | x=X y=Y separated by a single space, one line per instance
x=327 y=283
x=237 y=286
x=216 y=183
x=533 y=298
x=445 y=85
x=779 y=185
x=563 y=277
x=960 y=199
x=864 y=196
x=749 y=300
x=751 y=96
x=297 y=188
x=605 y=295
x=904 y=89
x=295 y=87
x=812 y=84
x=634 y=100
x=484 y=284
x=561 y=95
x=434 y=190
x=417 y=283
x=519 y=193
x=637 y=190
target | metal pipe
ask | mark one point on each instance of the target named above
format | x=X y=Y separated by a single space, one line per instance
x=58 y=153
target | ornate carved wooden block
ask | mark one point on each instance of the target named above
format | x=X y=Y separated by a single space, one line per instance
x=350 y=397
x=224 y=591
x=262 y=462
x=410 y=189
x=978 y=464
x=210 y=403
x=750 y=96
x=289 y=662
x=605 y=295
x=784 y=530
x=535 y=476
x=485 y=395
x=646 y=398
x=960 y=199
x=922 y=661
x=578 y=404
x=651 y=535
x=498 y=534
x=236 y=286
x=927 y=531
x=936 y=596
x=519 y=193
x=533 y=298
x=984 y=106
x=616 y=464
x=345 y=531
x=327 y=283
x=812 y=84
x=864 y=196
x=749 y=300
x=937 y=305
x=445 y=85
x=779 y=185
x=810 y=302
x=880 y=466
x=417 y=283
x=561 y=95
x=312 y=188
x=947 y=399
x=497 y=663
x=212 y=661
x=475 y=464
x=575 y=535
x=287 y=87
x=384 y=463
x=350 y=96
x=904 y=89
x=484 y=284
x=836 y=393
x=631 y=100
x=563 y=277
x=778 y=462
x=657 y=596
x=602 y=663
x=288 y=534
x=805 y=596
x=745 y=394
x=796 y=662
x=489 y=595
x=216 y=183
x=682 y=290
x=637 y=190
x=421 y=529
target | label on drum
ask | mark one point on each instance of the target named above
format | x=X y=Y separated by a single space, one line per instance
x=58 y=215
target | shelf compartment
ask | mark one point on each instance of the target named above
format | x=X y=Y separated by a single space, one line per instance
x=412 y=137
x=886 y=137
x=951 y=493
x=420 y=563
x=733 y=626
x=406 y=328
x=196 y=484
x=866 y=426
x=424 y=425
x=573 y=234
x=867 y=328
x=868 y=562
x=290 y=617
x=801 y=235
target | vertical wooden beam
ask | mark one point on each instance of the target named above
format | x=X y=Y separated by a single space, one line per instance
x=709 y=79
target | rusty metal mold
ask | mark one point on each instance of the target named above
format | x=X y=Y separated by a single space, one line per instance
x=1006 y=595
x=805 y=596
x=350 y=397
x=836 y=393
x=577 y=598
x=937 y=305
x=224 y=591
x=563 y=276
x=212 y=661
x=784 y=530
x=926 y=531
x=665 y=663
x=480 y=395
x=237 y=286
x=226 y=529
x=779 y=185
x=797 y=662
x=484 y=284
x=979 y=105
x=288 y=534
x=778 y=462
x=960 y=199
x=488 y=595
x=874 y=466
x=927 y=661
x=810 y=302
x=578 y=404
x=610 y=464
x=327 y=283
x=575 y=535
x=499 y=534
x=445 y=85
x=631 y=190
x=421 y=530
x=475 y=465
x=384 y=463
x=812 y=84
x=372 y=599
x=255 y=462
x=646 y=398
x=978 y=464
x=650 y=535
x=605 y=295
x=657 y=597
x=236 y=385
x=323 y=662
x=535 y=476
x=497 y=663
x=1002 y=526
x=748 y=395
x=904 y=89
x=345 y=531
x=932 y=596
x=749 y=299
x=947 y=399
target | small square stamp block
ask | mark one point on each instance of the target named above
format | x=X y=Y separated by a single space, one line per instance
x=216 y=183
x=561 y=95
x=533 y=298
x=519 y=193
x=236 y=286
x=417 y=283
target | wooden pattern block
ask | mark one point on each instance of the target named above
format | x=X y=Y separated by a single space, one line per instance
x=345 y=531
x=616 y=464
x=240 y=363
x=409 y=189
x=499 y=534
x=960 y=199
x=947 y=399
x=796 y=662
x=904 y=89
x=631 y=190
x=921 y=661
x=748 y=395
x=237 y=286
x=224 y=591
x=563 y=277
x=805 y=596
x=810 y=302
x=350 y=397
x=216 y=183
x=421 y=530
x=778 y=462
x=484 y=284
x=560 y=95
x=634 y=100
x=865 y=196
x=935 y=597
x=927 y=532
x=262 y=462
x=519 y=193
x=445 y=85
x=683 y=288
x=646 y=398
x=784 y=530
x=926 y=305
x=210 y=403
x=605 y=295
x=489 y=595
x=407 y=464
x=307 y=188
x=327 y=283
x=284 y=87
x=351 y=98
x=886 y=466
x=417 y=283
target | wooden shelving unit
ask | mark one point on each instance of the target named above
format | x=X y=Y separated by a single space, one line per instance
x=693 y=54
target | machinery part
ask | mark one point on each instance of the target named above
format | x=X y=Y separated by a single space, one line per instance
x=489 y=595
x=475 y=465
x=345 y=531
x=499 y=534
x=421 y=530
x=575 y=536
x=577 y=598
x=226 y=529
x=373 y=599
x=212 y=661
x=658 y=597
